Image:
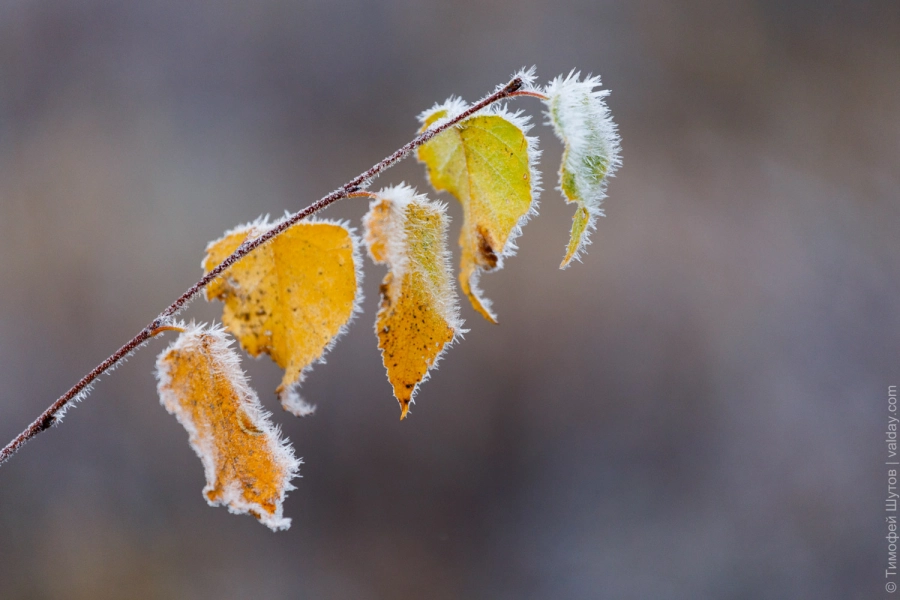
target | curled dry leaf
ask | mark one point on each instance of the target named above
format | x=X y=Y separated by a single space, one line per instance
x=489 y=164
x=582 y=121
x=289 y=298
x=419 y=311
x=248 y=465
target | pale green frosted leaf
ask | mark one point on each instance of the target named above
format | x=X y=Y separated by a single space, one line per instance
x=581 y=120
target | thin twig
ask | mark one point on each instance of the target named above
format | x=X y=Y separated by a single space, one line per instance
x=161 y=323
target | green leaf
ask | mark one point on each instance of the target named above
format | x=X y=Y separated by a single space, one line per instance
x=488 y=163
x=581 y=120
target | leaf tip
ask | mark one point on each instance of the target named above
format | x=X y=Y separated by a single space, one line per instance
x=293 y=403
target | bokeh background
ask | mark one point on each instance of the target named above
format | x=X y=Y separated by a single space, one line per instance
x=697 y=411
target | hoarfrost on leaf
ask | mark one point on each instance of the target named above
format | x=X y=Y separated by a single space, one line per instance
x=489 y=163
x=290 y=298
x=582 y=121
x=419 y=314
x=248 y=466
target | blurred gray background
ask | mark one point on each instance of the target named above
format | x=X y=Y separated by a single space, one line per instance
x=697 y=411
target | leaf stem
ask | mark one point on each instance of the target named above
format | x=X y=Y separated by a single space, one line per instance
x=361 y=194
x=163 y=328
x=162 y=323
x=532 y=94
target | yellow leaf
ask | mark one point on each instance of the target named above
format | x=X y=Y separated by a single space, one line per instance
x=488 y=163
x=289 y=298
x=248 y=466
x=581 y=120
x=419 y=311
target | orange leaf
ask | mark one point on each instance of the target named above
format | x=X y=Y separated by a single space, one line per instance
x=248 y=465
x=419 y=311
x=289 y=298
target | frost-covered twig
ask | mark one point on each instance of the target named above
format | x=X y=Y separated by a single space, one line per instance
x=162 y=322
